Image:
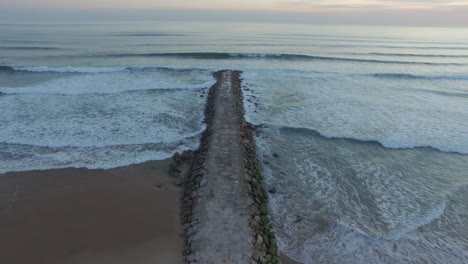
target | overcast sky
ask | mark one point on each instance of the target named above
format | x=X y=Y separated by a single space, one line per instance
x=418 y=12
x=290 y=5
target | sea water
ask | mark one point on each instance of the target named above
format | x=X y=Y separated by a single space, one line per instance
x=369 y=124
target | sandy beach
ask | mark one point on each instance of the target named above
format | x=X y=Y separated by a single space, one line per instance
x=73 y=216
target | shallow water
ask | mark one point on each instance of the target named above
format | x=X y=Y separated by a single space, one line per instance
x=370 y=123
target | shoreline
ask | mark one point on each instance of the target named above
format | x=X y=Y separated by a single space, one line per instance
x=166 y=245
x=123 y=215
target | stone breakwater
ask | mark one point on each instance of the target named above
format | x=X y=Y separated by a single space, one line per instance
x=224 y=208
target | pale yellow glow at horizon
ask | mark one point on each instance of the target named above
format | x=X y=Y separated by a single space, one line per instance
x=269 y=5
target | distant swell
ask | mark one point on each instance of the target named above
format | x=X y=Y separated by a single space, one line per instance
x=397 y=47
x=149 y=35
x=29 y=48
x=413 y=55
x=454 y=76
x=286 y=57
x=422 y=47
x=67 y=69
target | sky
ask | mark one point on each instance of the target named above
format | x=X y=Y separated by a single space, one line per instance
x=412 y=12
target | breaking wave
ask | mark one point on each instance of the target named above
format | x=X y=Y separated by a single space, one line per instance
x=282 y=56
x=390 y=145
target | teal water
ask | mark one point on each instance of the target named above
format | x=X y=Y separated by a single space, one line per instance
x=370 y=123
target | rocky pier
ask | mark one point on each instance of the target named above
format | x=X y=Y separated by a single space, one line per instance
x=224 y=208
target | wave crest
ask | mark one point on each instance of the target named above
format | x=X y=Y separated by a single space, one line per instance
x=281 y=56
x=70 y=69
x=383 y=143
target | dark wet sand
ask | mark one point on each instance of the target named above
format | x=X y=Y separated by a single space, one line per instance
x=78 y=216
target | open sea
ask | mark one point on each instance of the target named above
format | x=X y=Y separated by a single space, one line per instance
x=370 y=123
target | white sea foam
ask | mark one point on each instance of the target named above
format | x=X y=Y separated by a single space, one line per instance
x=367 y=110
x=362 y=196
x=117 y=82
x=81 y=117
x=16 y=157
x=349 y=144
x=100 y=120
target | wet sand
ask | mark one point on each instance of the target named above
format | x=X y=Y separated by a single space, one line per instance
x=77 y=216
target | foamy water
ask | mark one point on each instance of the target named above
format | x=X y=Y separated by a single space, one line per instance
x=345 y=201
x=101 y=118
x=370 y=123
x=397 y=113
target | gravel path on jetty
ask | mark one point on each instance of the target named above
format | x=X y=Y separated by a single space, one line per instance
x=223 y=233
x=224 y=208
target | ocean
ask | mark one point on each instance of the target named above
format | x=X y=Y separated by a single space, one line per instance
x=363 y=137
